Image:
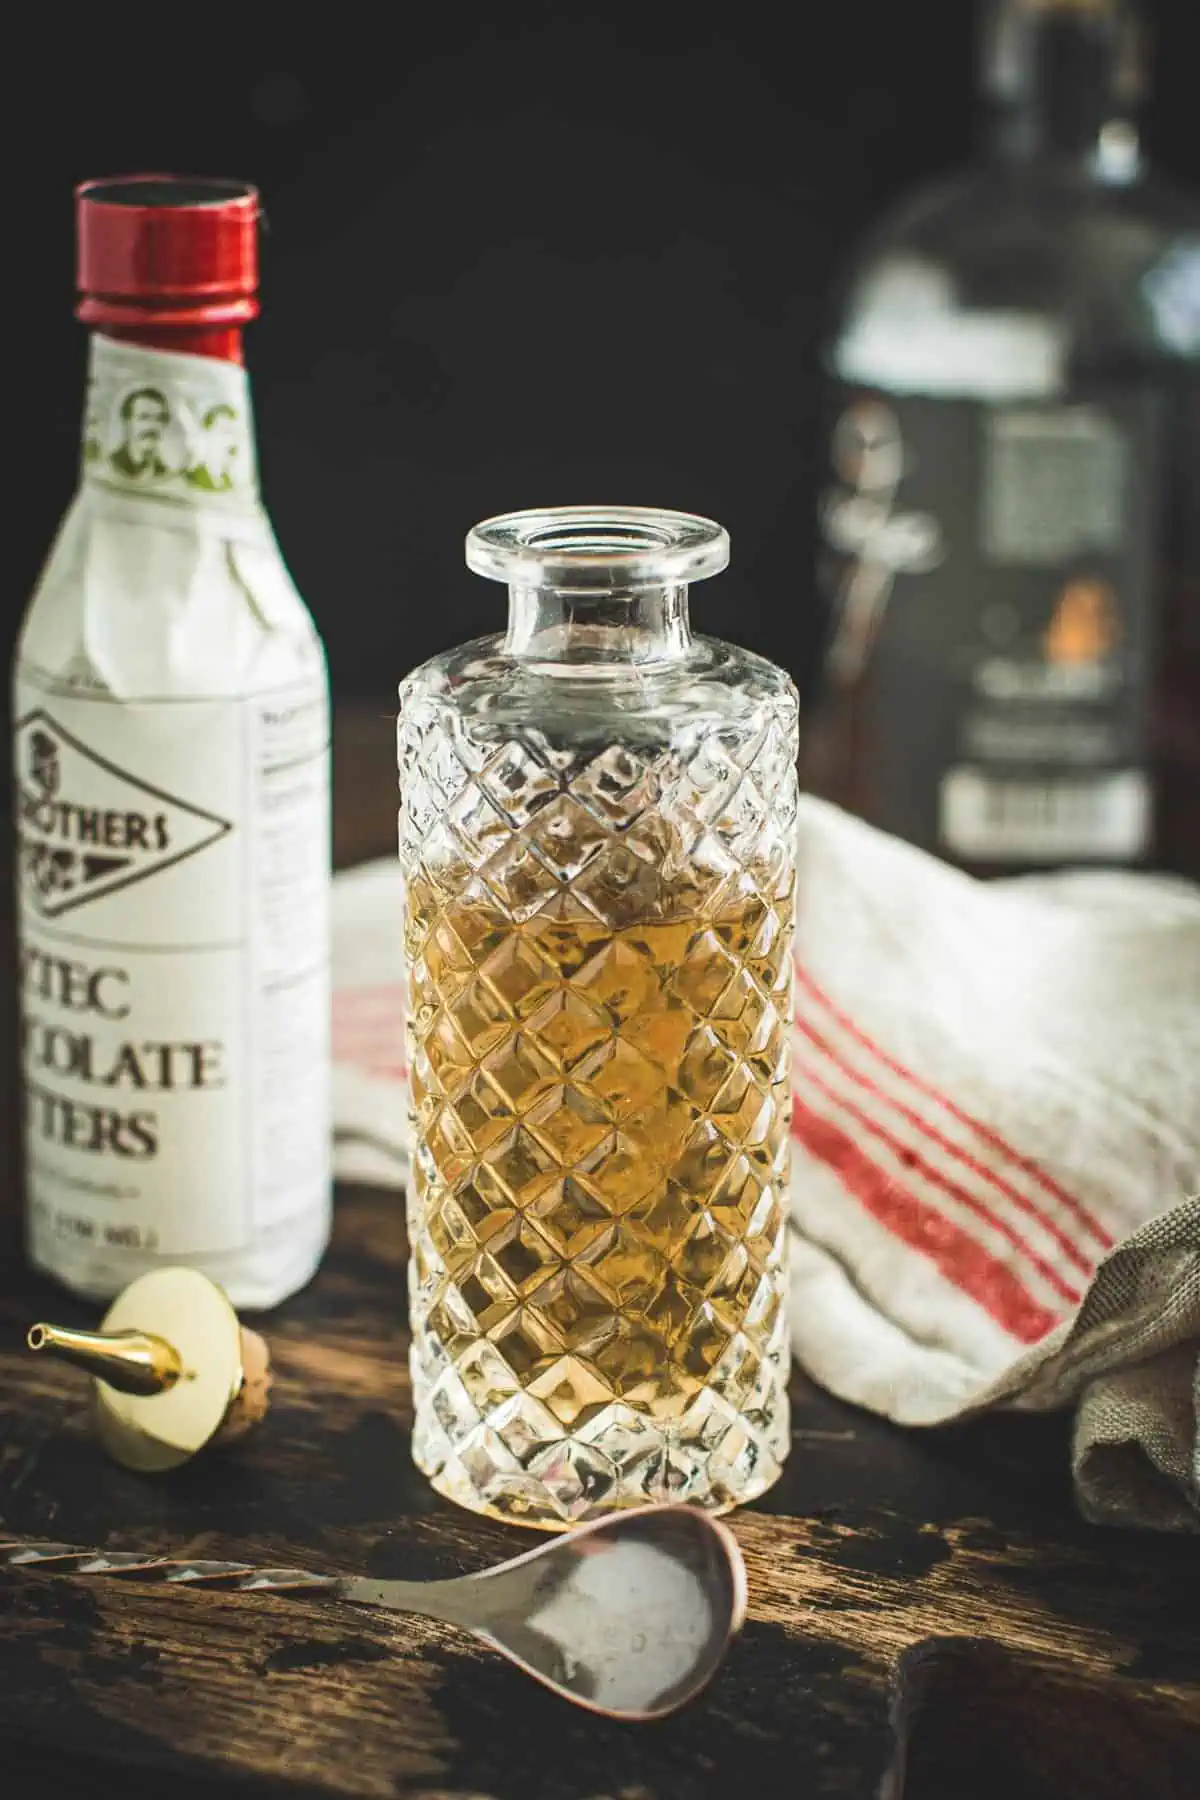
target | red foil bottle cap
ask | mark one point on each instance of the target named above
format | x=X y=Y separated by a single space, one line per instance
x=166 y=248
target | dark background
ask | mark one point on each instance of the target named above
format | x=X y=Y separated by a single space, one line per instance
x=527 y=256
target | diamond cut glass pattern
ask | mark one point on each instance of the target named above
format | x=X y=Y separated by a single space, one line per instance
x=599 y=893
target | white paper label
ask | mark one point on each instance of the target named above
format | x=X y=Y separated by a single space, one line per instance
x=173 y=894
x=167 y=425
x=988 y=817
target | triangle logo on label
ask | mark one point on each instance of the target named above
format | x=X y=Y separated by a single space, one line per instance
x=86 y=828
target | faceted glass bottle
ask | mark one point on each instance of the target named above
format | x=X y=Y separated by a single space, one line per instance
x=1012 y=519
x=596 y=836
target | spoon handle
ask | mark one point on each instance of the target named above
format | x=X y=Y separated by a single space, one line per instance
x=69 y=1559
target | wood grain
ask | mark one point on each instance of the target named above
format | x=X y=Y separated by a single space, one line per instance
x=875 y=1544
x=971 y=1718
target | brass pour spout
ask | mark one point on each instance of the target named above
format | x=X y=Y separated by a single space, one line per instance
x=133 y=1362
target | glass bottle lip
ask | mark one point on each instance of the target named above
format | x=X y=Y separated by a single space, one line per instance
x=603 y=548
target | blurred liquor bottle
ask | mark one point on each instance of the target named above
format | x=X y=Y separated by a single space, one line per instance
x=1011 y=525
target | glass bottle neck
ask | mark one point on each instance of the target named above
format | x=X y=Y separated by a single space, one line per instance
x=1108 y=149
x=1064 y=79
x=639 y=626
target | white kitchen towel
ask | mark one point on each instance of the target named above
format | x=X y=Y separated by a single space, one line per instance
x=996 y=1178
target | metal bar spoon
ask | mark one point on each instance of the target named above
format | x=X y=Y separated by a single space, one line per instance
x=629 y=1617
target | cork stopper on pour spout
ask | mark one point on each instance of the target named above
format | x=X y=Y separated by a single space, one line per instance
x=174 y=1370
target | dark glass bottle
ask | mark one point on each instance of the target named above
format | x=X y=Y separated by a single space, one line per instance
x=1011 y=533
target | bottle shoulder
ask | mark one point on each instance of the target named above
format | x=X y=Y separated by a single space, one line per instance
x=1026 y=203
x=1112 y=267
x=492 y=693
x=142 y=599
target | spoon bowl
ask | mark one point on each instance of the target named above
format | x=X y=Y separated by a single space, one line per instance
x=629 y=1617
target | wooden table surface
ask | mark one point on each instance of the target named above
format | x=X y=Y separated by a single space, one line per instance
x=929 y=1619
